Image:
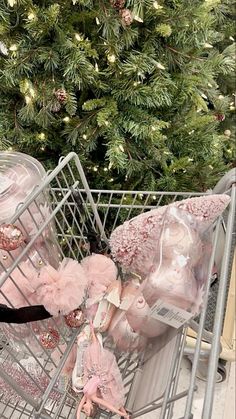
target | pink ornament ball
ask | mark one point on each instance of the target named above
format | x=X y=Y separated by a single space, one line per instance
x=175 y=286
x=180 y=241
x=74 y=319
x=11 y=237
x=49 y=339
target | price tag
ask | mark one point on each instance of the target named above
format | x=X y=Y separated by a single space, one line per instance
x=170 y=314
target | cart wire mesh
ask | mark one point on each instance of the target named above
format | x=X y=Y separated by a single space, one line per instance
x=30 y=375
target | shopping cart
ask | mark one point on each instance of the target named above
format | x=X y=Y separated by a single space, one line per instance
x=151 y=381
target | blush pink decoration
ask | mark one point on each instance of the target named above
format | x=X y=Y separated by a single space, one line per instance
x=62 y=290
x=124 y=337
x=134 y=243
x=140 y=320
x=102 y=379
x=180 y=241
x=173 y=285
x=100 y=272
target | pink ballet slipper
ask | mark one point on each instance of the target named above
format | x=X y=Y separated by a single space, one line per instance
x=62 y=291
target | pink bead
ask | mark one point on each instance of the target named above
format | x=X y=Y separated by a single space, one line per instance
x=11 y=237
x=74 y=319
x=49 y=339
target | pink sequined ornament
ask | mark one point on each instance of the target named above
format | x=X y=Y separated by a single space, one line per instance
x=49 y=339
x=74 y=319
x=11 y=237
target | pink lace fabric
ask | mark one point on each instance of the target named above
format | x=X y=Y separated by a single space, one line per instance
x=101 y=363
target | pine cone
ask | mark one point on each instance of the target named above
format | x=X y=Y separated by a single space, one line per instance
x=117 y=4
x=126 y=16
x=61 y=95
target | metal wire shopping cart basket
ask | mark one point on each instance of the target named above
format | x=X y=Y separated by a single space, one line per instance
x=151 y=384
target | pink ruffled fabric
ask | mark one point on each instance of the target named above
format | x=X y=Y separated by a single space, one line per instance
x=62 y=291
x=101 y=363
x=133 y=244
x=100 y=272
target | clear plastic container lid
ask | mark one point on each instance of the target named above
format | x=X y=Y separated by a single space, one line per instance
x=19 y=174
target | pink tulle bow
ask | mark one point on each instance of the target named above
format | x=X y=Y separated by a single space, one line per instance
x=62 y=290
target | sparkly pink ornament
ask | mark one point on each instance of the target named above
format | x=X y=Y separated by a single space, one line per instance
x=173 y=285
x=75 y=318
x=49 y=339
x=181 y=243
x=11 y=237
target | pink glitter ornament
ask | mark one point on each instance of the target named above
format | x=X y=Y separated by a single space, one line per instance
x=74 y=319
x=49 y=339
x=182 y=243
x=11 y=237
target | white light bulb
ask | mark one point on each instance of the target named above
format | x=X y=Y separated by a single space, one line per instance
x=135 y=84
x=66 y=119
x=10 y=149
x=153 y=128
x=31 y=16
x=96 y=68
x=160 y=66
x=220 y=97
x=13 y=47
x=111 y=58
x=111 y=180
x=105 y=169
x=95 y=169
x=32 y=91
x=106 y=123
x=203 y=96
x=207 y=45
x=97 y=21
x=232 y=108
x=157 y=6
x=121 y=148
x=78 y=37
x=231 y=38
x=41 y=136
x=42 y=148
x=28 y=99
x=154 y=197
x=84 y=136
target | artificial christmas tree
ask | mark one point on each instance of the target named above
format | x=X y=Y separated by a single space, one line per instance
x=135 y=94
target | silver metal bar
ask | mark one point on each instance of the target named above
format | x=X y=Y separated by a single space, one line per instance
x=200 y=331
x=57 y=373
x=219 y=313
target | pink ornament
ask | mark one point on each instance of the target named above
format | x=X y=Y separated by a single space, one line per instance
x=124 y=336
x=140 y=320
x=11 y=237
x=181 y=243
x=175 y=286
x=49 y=339
x=75 y=319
